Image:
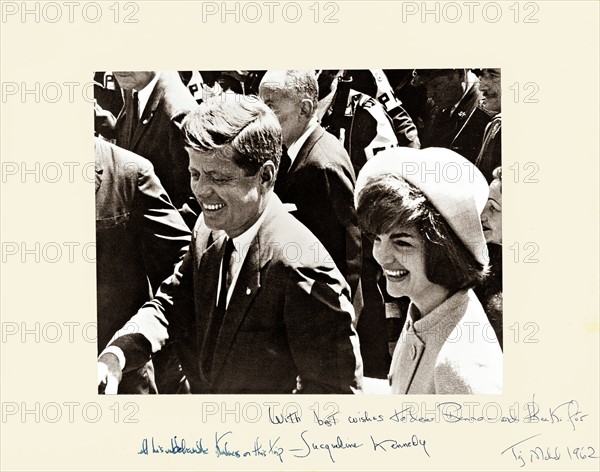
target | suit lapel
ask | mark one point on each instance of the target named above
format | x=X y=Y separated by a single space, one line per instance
x=410 y=355
x=208 y=272
x=126 y=117
x=465 y=108
x=303 y=155
x=207 y=284
x=247 y=285
x=149 y=110
x=246 y=288
x=101 y=159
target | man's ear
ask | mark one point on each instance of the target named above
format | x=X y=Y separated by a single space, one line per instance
x=268 y=173
x=306 y=108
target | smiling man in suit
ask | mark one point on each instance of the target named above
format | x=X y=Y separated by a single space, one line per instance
x=155 y=104
x=265 y=311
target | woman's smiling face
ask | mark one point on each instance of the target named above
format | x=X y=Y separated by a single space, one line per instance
x=400 y=253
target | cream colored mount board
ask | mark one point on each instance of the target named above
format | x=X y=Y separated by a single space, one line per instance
x=547 y=416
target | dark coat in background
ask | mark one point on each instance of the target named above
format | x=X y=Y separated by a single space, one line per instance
x=490 y=155
x=157 y=136
x=140 y=236
x=320 y=182
x=490 y=291
x=462 y=131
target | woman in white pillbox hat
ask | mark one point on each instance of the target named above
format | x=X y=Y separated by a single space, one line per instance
x=422 y=208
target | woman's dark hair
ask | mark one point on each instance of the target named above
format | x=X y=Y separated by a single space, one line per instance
x=388 y=200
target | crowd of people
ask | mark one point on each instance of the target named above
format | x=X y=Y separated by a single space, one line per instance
x=301 y=231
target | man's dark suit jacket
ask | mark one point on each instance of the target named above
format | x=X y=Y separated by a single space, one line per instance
x=140 y=237
x=320 y=183
x=157 y=135
x=463 y=131
x=289 y=315
x=490 y=155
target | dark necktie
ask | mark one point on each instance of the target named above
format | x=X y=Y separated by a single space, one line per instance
x=282 y=174
x=222 y=303
x=131 y=120
x=136 y=112
x=219 y=310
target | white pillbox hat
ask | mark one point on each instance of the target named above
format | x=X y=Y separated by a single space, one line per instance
x=454 y=186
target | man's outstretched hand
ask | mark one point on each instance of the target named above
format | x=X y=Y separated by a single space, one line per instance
x=109 y=374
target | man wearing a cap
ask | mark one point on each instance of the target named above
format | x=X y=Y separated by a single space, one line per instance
x=457 y=122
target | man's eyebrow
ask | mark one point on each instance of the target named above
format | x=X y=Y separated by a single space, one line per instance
x=401 y=235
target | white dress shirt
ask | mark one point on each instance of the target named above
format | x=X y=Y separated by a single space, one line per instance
x=144 y=94
x=241 y=245
x=295 y=147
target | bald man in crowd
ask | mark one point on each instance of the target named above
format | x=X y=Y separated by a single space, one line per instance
x=316 y=174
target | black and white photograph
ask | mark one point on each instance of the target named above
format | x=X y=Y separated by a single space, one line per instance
x=318 y=235
x=299 y=231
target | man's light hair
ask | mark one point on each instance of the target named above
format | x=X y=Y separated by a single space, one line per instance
x=298 y=85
